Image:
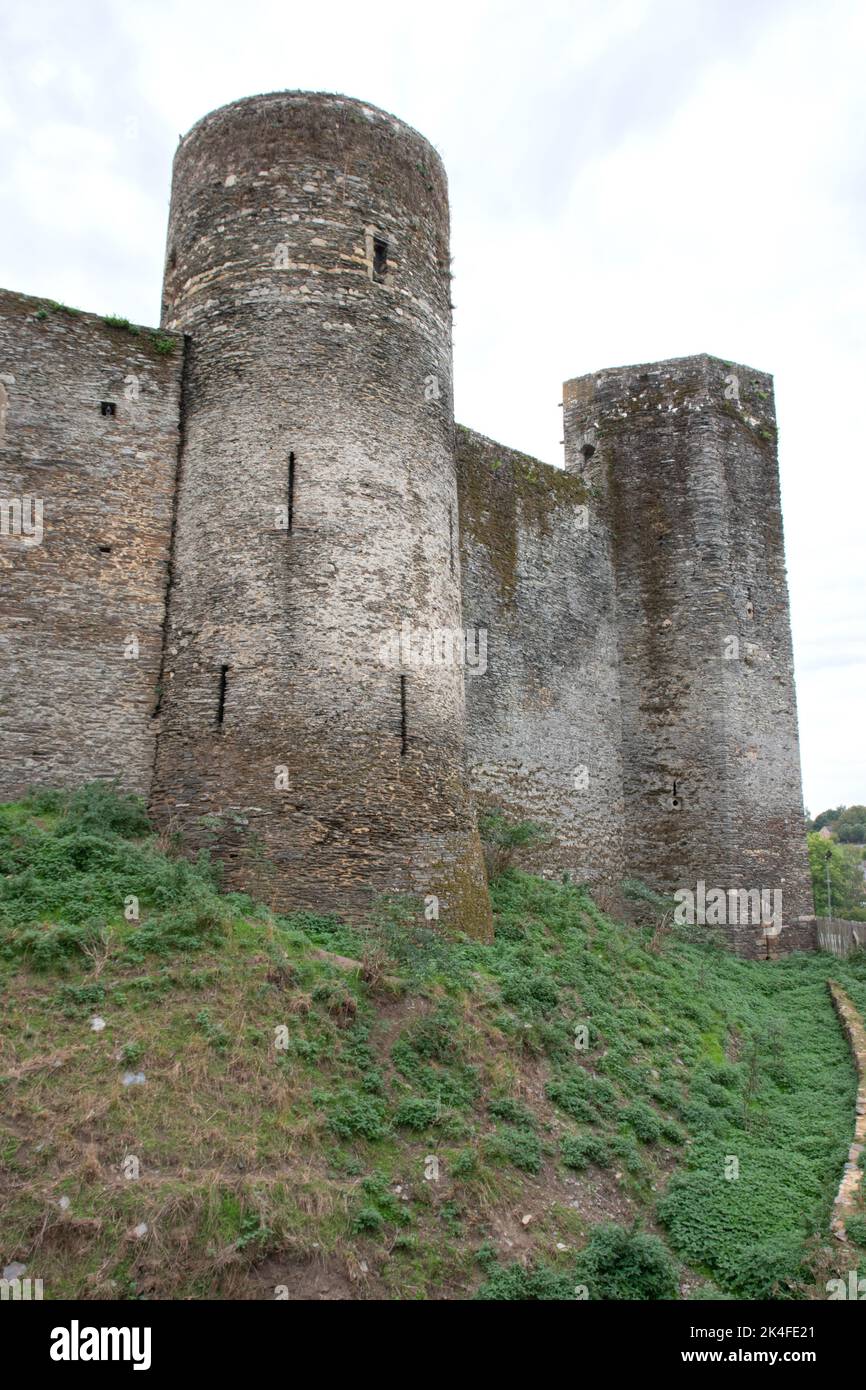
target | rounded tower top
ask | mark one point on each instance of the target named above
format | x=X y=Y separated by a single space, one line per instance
x=370 y=195
x=324 y=111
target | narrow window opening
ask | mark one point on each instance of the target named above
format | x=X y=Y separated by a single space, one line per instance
x=587 y=450
x=451 y=537
x=675 y=800
x=750 y=607
x=291 y=492
x=221 y=707
x=106 y=549
x=404 y=734
x=107 y=408
x=380 y=258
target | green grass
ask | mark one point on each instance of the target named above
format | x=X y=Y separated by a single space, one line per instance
x=395 y=1122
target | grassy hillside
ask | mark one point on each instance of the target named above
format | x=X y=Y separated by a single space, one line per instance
x=214 y=1101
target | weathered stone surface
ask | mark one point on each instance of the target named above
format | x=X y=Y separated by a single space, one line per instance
x=685 y=454
x=544 y=722
x=847 y=1202
x=74 y=702
x=319 y=379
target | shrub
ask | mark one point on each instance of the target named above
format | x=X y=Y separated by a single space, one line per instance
x=416 y=1112
x=579 y=1150
x=504 y=1108
x=773 y=1268
x=353 y=1115
x=619 y=1264
x=49 y=947
x=503 y=838
x=163 y=344
x=573 y=1104
x=388 y=1206
x=187 y=929
x=856 y=1229
x=464 y=1164
x=532 y=990
x=643 y=1121
x=435 y=1038
x=627 y=1150
x=102 y=808
x=47 y=802
x=672 y=1132
x=368 y=1221
x=578 y=1094
x=517 y=1146
x=74 y=999
x=514 y=1283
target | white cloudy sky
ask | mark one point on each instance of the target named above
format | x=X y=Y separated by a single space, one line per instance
x=630 y=180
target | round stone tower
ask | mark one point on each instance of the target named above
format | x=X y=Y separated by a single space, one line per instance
x=309 y=727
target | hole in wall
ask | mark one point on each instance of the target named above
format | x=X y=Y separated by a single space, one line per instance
x=676 y=800
x=221 y=705
x=108 y=408
x=290 y=493
x=587 y=450
x=380 y=258
x=105 y=549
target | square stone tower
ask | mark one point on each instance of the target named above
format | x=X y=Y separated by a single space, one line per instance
x=684 y=451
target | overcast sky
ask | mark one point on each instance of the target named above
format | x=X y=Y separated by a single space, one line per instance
x=630 y=180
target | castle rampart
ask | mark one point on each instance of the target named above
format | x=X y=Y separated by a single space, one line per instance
x=88 y=444
x=544 y=722
x=256 y=534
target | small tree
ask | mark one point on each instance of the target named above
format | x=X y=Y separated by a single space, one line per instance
x=846 y=880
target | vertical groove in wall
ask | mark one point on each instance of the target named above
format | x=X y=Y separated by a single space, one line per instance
x=169 y=571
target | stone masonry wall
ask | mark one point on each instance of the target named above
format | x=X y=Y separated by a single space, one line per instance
x=236 y=573
x=686 y=452
x=544 y=726
x=848 y=1201
x=76 y=702
x=308 y=262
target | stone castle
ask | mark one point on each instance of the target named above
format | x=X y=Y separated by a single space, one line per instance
x=251 y=569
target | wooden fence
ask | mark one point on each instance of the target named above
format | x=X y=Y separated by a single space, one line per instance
x=841 y=938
